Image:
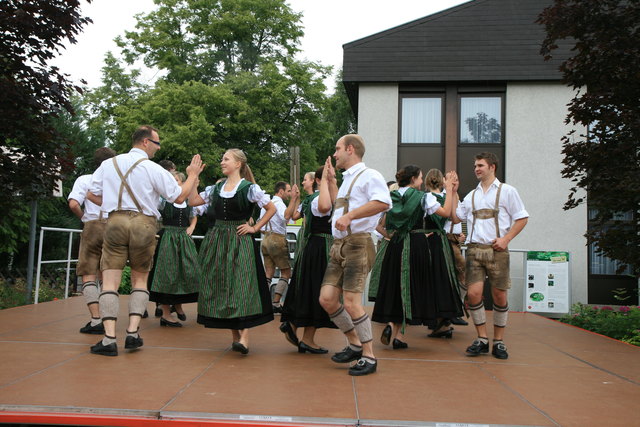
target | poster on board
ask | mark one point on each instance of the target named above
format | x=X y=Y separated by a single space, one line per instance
x=547 y=282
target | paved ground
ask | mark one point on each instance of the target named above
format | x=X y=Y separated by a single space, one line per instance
x=556 y=375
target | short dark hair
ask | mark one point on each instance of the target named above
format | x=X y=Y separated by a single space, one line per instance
x=405 y=174
x=141 y=133
x=102 y=154
x=489 y=157
x=280 y=185
x=167 y=164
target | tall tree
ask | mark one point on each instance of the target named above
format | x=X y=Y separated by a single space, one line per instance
x=32 y=93
x=206 y=40
x=604 y=69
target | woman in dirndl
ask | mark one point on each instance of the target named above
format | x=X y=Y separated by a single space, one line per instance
x=177 y=272
x=233 y=291
x=402 y=279
x=442 y=257
x=302 y=308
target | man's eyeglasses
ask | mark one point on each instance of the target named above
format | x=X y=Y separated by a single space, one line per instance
x=155 y=142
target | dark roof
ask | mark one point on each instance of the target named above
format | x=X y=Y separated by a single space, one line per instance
x=482 y=40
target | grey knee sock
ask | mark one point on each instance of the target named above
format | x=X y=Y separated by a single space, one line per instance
x=500 y=315
x=363 y=329
x=342 y=320
x=109 y=305
x=478 y=314
x=281 y=286
x=91 y=292
x=138 y=302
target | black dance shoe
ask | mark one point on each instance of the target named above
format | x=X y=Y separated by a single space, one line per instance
x=182 y=316
x=303 y=348
x=459 y=321
x=289 y=333
x=477 y=348
x=447 y=333
x=158 y=312
x=385 y=338
x=347 y=355
x=165 y=322
x=398 y=345
x=363 y=367
x=96 y=330
x=277 y=309
x=105 y=350
x=145 y=314
x=499 y=351
x=131 y=343
x=240 y=348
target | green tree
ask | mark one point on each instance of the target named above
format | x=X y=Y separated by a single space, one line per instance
x=603 y=69
x=205 y=40
x=339 y=115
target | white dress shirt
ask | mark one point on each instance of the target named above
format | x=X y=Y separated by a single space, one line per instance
x=511 y=209
x=277 y=223
x=369 y=186
x=148 y=181
x=79 y=194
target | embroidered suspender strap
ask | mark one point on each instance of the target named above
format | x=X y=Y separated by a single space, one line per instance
x=451 y=229
x=124 y=184
x=473 y=212
x=497 y=210
x=343 y=202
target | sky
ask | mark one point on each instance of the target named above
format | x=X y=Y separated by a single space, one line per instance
x=328 y=24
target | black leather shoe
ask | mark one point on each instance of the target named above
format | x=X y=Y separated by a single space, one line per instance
x=182 y=316
x=385 y=338
x=477 y=348
x=240 y=348
x=363 y=367
x=398 y=345
x=145 y=314
x=158 y=312
x=499 y=351
x=347 y=355
x=131 y=343
x=459 y=321
x=447 y=333
x=165 y=322
x=96 y=330
x=105 y=350
x=289 y=333
x=277 y=309
x=303 y=348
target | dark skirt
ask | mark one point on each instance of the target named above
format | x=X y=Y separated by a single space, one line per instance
x=233 y=286
x=177 y=272
x=301 y=305
x=429 y=301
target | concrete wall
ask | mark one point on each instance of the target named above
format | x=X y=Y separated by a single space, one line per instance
x=378 y=125
x=535 y=114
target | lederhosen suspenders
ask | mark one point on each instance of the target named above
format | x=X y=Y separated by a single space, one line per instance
x=343 y=202
x=124 y=184
x=485 y=213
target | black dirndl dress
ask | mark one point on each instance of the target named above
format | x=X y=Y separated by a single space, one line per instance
x=233 y=287
x=301 y=306
x=177 y=272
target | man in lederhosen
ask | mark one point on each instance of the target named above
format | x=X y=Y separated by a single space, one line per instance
x=495 y=215
x=275 y=249
x=129 y=187
x=93 y=224
x=361 y=197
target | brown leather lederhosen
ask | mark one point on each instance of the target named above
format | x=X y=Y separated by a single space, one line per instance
x=484 y=252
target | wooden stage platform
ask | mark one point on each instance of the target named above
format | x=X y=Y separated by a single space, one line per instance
x=556 y=375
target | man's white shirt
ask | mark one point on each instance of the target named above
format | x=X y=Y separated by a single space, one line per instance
x=79 y=194
x=148 y=181
x=511 y=209
x=369 y=186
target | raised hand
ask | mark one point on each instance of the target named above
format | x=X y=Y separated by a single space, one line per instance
x=196 y=166
x=295 y=192
x=329 y=170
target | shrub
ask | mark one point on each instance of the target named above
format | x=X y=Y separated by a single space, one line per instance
x=622 y=324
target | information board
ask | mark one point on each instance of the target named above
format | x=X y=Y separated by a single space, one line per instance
x=547 y=282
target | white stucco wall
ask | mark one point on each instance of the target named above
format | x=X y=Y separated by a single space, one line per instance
x=378 y=125
x=535 y=114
